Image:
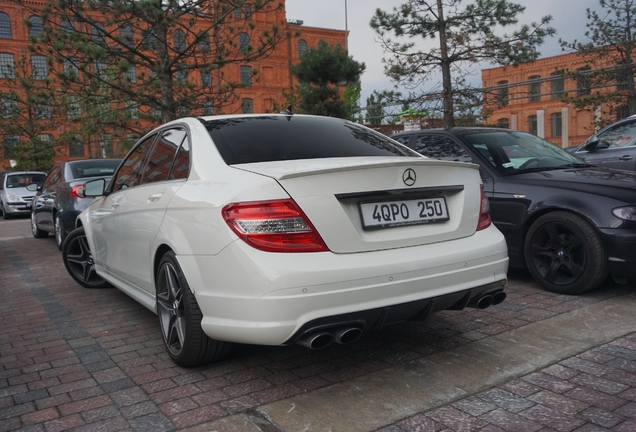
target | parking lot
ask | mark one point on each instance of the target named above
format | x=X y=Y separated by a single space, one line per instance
x=78 y=359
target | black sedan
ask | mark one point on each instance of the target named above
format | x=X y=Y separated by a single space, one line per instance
x=569 y=223
x=612 y=147
x=61 y=198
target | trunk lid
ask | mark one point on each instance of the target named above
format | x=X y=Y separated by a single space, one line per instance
x=332 y=193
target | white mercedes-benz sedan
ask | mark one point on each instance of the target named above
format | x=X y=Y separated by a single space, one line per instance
x=282 y=229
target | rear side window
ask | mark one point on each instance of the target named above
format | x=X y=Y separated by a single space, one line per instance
x=162 y=155
x=276 y=138
x=441 y=147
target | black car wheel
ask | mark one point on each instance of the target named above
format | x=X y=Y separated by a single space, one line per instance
x=60 y=235
x=78 y=260
x=5 y=214
x=37 y=232
x=565 y=253
x=180 y=318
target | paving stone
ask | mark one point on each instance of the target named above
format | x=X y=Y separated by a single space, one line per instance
x=552 y=418
x=600 y=384
x=559 y=402
x=511 y=422
x=601 y=417
x=506 y=400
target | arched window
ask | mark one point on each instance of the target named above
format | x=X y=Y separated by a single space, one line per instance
x=244 y=43
x=126 y=35
x=5 y=27
x=302 y=47
x=179 y=41
x=35 y=29
x=67 y=26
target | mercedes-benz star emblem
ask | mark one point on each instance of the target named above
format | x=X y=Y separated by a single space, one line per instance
x=409 y=177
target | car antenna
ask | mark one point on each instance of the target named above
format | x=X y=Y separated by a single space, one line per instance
x=288 y=111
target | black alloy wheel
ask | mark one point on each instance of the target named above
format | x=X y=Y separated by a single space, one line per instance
x=37 y=232
x=565 y=254
x=78 y=260
x=60 y=235
x=180 y=318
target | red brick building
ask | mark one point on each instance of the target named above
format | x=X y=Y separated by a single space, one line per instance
x=263 y=92
x=528 y=98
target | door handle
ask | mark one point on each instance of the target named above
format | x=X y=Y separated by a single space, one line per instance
x=155 y=197
x=115 y=204
x=626 y=158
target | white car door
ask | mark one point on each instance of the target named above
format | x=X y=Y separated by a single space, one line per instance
x=141 y=215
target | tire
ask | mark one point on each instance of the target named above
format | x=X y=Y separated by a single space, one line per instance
x=37 y=232
x=58 y=231
x=78 y=260
x=5 y=214
x=564 y=253
x=180 y=318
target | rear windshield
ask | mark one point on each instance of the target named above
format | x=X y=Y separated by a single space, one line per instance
x=94 y=168
x=276 y=138
x=23 y=180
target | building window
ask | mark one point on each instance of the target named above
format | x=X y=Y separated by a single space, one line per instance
x=35 y=26
x=43 y=112
x=207 y=108
x=557 y=124
x=532 y=124
x=132 y=109
x=502 y=93
x=5 y=27
x=179 y=40
x=302 y=47
x=244 y=43
x=45 y=138
x=534 y=88
x=7 y=68
x=9 y=145
x=76 y=146
x=622 y=112
x=9 y=108
x=247 y=106
x=206 y=77
x=98 y=33
x=181 y=74
x=130 y=74
x=38 y=65
x=557 y=85
x=73 y=108
x=99 y=67
x=70 y=68
x=67 y=26
x=583 y=82
x=126 y=35
x=503 y=123
x=248 y=11
x=106 y=144
x=622 y=78
x=204 y=43
x=246 y=76
x=237 y=12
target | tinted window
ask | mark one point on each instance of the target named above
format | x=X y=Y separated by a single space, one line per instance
x=265 y=139
x=403 y=139
x=130 y=171
x=94 y=168
x=619 y=136
x=161 y=156
x=441 y=147
x=54 y=177
x=181 y=165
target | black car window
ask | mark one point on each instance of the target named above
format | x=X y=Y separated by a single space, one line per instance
x=53 y=178
x=162 y=155
x=441 y=147
x=181 y=165
x=403 y=139
x=276 y=138
x=93 y=168
x=130 y=171
x=621 y=135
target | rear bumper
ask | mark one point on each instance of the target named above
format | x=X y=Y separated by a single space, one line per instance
x=620 y=245
x=254 y=297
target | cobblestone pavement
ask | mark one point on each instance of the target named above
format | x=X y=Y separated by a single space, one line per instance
x=93 y=360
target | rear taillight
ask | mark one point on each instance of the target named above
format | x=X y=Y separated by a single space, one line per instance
x=78 y=192
x=484 y=212
x=273 y=226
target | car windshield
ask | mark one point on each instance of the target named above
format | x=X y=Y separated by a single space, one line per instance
x=23 y=180
x=513 y=152
x=94 y=168
x=276 y=138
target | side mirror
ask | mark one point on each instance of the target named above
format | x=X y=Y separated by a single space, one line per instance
x=94 y=188
x=591 y=146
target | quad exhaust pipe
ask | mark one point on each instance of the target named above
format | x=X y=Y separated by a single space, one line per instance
x=322 y=339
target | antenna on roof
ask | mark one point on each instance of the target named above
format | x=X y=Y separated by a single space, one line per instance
x=287 y=111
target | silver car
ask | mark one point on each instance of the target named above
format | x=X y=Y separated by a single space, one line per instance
x=612 y=147
x=15 y=198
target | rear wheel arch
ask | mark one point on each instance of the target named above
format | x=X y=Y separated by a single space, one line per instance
x=161 y=251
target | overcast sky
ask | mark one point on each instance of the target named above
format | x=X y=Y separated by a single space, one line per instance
x=569 y=19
